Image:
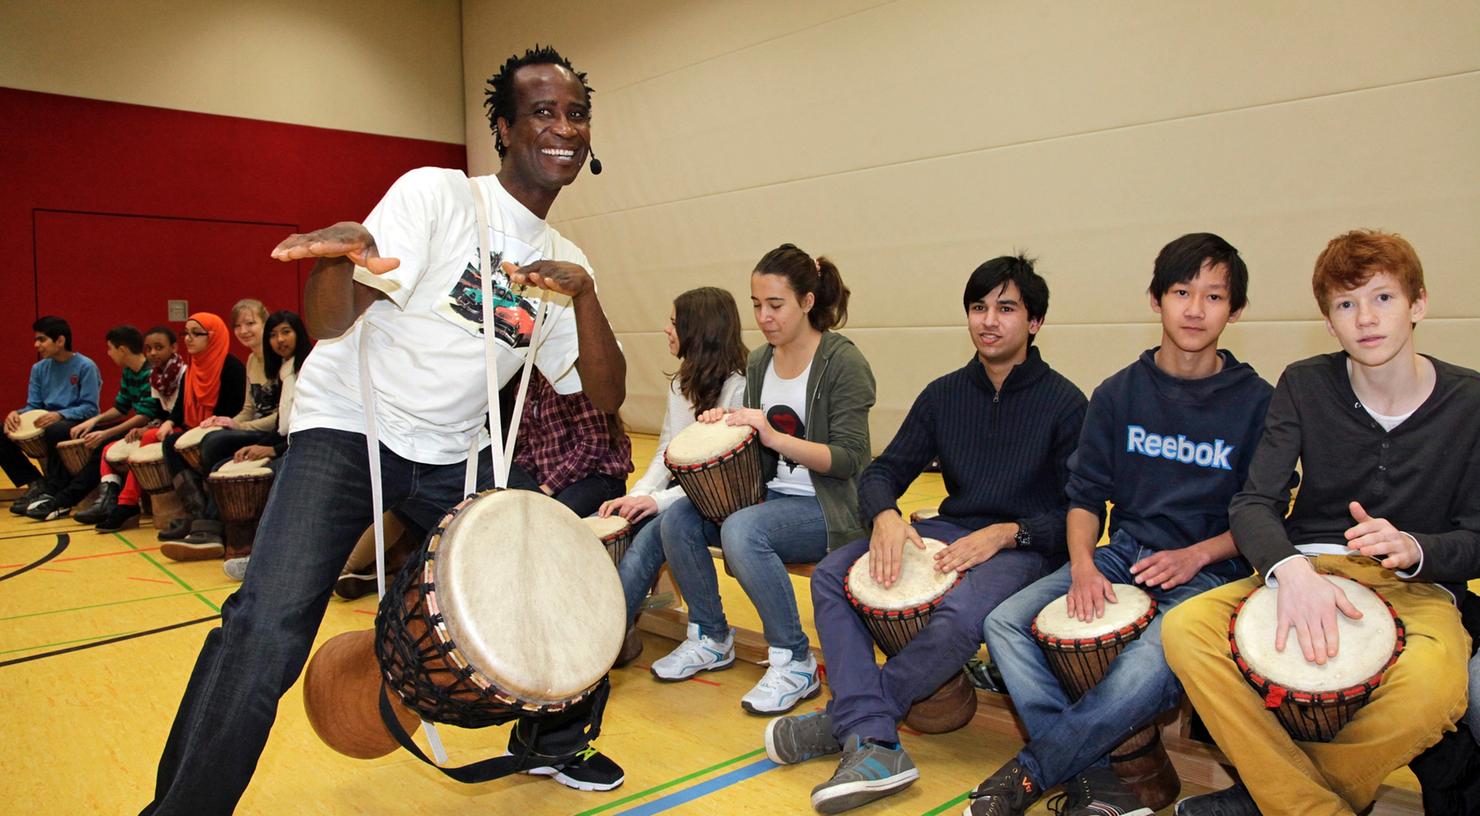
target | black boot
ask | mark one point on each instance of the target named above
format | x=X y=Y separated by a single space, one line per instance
x=107 y=500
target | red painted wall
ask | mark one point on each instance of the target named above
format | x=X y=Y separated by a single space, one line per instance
x=107 y=210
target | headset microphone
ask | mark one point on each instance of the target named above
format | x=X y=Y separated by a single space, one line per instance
x=595 y=162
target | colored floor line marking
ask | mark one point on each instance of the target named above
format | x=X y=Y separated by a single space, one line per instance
x=670 y=783
x=696 y=678
x=118 y=603
x=942 y=808
x=162 y=568
x=50 y=569
x=63 y=541
x=364 y=612
x=99 y=555
x=150 y=580
x=687 y=795
x=104 y=641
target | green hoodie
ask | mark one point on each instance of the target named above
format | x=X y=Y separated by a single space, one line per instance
x=840 y=392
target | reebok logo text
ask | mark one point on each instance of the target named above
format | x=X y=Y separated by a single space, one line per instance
x=1178 y=448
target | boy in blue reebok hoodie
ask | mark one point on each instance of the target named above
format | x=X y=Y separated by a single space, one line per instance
x=1167 y=440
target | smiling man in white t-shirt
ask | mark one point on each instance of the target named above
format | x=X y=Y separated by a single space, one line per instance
x=406 y=285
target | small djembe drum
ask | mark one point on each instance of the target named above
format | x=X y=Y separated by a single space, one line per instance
x=240 y=490
x=188 y=445
x=74 y=454
x=718 y=466
x=117 y=454
x=148 y=468
x=894 y=615
x=615 y=534
x=29 y=438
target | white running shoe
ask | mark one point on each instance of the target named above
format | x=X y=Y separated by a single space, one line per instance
x=236 y=568
x=695 y=654
x=787 y=683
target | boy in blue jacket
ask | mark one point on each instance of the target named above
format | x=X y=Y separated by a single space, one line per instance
x=1167 y=440
x=65 y=384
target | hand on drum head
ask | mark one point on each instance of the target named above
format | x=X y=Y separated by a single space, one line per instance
x=94 y=439
x=1169 y=568
x=1378 y=538
x=48 y=418
x=12 y=421
x=1309 y=603
x=560 y=277
x=975 y=547
x=254 y=452
x=713 y=415
x=1088 y=592
x=631 y=508
x=886 y=546
x=346 y=239
x=134 y=435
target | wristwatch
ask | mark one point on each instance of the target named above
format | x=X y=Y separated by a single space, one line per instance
x=1022 y=538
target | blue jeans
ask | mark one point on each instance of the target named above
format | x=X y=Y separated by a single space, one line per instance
x=1065 y=738
x=319 y=506
x=1472 y=717
x=758 y=542
x=641 y=563
x=869 y=701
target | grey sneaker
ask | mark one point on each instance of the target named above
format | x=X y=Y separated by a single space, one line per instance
x=235 y=568
x=1008 y=792
x=1098 y=792
x=790 y=740
x=1231 y=801
x=866 y=772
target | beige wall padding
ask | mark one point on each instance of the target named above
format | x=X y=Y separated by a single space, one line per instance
x=390 y=67
x=912 y=140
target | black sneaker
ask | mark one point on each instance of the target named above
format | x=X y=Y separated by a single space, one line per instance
x=1231 y=801
x=123 y=515
x=1008 y=792
x=177 y=529
x=33 y=492
x=46 y=509
x=591 y=770
x=1098 y=792
x=352 y=585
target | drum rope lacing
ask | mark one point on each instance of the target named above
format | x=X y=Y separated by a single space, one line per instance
x=502 y=453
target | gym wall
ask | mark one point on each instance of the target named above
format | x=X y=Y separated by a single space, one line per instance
x=911 y=140
x=159 y=150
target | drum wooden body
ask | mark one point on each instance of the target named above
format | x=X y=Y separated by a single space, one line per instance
x=74 y=454
x=29 y=438
x=188 y=445
x=512 y=607
x=341 y=694
x=718 y=466
x=615 y=534
x=240 y=490
x=147 y=465
x=894 y=615
x=1080 y=654
x=117 y=455
x=1313 y=702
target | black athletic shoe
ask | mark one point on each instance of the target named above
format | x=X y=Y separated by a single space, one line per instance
x=177 y=529
x=33 y=492
x=123 y=515
x=99 y=510
x=1232 y=801
x=591 y=770
x=352 y=585
x=1008 y=792
x=46 y=509
x=1098 y=792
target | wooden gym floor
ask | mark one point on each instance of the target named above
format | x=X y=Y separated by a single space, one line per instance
x=100 y=632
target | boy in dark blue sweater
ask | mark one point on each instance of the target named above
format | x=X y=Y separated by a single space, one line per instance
x=1167 y=440
x=1003 y=427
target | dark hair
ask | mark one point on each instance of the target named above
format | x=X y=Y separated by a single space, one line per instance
x=1350 y=260
x=819 y=278
x=54 y=327
x=166 y=331
x=126 y=337
x=1000 y=271
x=271 y=362
x=1182 y=260
x=707 y=322
x=499 y=92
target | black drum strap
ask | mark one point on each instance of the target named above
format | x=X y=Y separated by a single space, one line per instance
x=501 y=766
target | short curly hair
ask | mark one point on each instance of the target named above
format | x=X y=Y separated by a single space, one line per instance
x=499 y=92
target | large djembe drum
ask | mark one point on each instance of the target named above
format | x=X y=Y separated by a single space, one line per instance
x=511 y=608
x=241 y=490
x=894 y=615
x=29 y=438
x=1314 y=701
x=148 y=467
x=188 y=445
